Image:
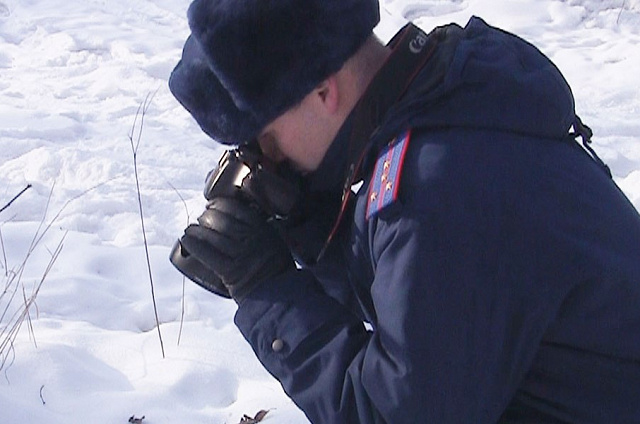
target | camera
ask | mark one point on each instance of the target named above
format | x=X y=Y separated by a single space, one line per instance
x=244 y=173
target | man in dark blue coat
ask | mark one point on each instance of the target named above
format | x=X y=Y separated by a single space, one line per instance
x=486 y=269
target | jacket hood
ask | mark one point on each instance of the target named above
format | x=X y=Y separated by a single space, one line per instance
x=490 y=80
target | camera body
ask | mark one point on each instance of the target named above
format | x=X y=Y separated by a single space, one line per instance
x=244 y=172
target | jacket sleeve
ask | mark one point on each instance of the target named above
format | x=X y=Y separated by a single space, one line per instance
x=312 y=344
x=466 y=282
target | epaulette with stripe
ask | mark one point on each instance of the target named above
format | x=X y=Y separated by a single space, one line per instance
x=385 y=182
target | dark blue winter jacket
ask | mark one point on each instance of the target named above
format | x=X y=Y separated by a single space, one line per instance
x=503 y=285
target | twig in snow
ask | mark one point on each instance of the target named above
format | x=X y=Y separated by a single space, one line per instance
x=16 y=276
x=10 y=326
x=15 y=197
x=32 y=334
x=4 y=357
x=624 y=3
x=10 y=331
x=4 y=256
x=135 y=136
x=184 y=279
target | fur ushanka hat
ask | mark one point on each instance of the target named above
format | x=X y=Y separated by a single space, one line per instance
x=248 y=61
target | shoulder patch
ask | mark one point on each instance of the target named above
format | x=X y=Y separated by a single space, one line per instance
x=385 y=182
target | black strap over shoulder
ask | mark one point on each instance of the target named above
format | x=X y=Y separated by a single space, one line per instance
x=412 y=48
x=585 y=133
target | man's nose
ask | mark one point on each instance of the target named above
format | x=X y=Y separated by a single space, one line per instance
x=269 y=146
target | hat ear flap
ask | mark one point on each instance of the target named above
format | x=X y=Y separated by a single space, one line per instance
x=198 y=89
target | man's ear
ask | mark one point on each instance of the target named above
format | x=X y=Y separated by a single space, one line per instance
x=328 y=94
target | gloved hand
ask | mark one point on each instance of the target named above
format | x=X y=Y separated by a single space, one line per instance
x=233 y=240
x=196 y=271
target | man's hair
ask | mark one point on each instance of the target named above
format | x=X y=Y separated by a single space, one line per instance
x=366 y=62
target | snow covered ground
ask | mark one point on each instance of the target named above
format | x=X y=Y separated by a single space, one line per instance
x=72 y=76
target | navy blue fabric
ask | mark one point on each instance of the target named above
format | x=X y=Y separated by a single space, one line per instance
x=200 y=92
x=502 y=286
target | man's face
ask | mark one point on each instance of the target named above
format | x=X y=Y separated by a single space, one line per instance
x=300 y=136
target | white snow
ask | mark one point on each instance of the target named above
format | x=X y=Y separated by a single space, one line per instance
x=72 y=76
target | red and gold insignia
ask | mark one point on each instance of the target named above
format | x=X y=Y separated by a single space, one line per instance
x=384 y=185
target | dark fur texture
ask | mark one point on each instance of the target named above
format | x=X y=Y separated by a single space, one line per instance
x=248 y=61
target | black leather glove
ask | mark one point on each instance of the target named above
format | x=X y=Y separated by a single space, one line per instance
x=234 y=242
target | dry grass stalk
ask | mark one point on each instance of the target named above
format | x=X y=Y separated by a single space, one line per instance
x=184 y=279
x=135 y=136
x=13 y=317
